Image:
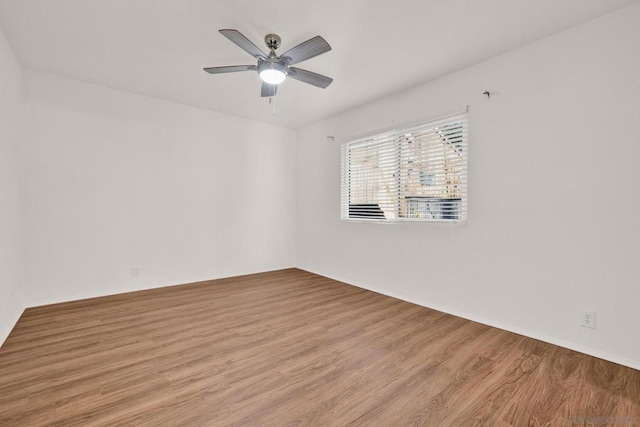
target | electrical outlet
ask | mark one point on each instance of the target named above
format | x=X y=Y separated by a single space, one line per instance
x=135 y=271
x=588 y=319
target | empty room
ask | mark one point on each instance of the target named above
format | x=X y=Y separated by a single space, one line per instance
x=327 y=213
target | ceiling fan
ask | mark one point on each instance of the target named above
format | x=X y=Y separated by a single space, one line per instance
x=273 y=69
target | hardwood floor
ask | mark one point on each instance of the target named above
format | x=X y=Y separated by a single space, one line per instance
x=293 y=348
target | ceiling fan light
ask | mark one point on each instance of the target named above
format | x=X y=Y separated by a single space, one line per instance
x=272 y=72
x=273 y=77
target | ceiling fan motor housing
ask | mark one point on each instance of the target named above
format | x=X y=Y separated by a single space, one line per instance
x=272 y=41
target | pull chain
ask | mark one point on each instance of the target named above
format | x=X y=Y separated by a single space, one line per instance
x=272 y=102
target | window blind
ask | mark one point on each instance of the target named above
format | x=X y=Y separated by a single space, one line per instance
x=413 y=174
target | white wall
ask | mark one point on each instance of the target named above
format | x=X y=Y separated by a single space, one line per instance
x=554 y=194
x=11 y=189
x=116 y=180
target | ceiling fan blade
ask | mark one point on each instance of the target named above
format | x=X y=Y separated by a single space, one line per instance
x=245 y=44
x=307 y=50
x=230 y=69
x=309 y=77
x=268 y=90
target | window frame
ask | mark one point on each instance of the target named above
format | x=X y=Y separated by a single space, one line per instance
x=399 y=204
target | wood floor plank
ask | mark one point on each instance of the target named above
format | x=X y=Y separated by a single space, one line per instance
x=292 y=348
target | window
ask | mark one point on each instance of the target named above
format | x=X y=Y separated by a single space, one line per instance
x=414 y=174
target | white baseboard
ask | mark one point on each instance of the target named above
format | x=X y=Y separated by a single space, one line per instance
x=4 y=334
x=142 y=287
x=105 y=293
x=635 y=364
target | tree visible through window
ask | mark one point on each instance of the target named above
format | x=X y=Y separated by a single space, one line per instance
x=413 y=174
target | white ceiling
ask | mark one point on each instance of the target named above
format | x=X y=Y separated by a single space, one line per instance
x=159 y=47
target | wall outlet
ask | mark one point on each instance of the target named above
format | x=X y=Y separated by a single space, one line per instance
x=135 y=271
x=588 y=319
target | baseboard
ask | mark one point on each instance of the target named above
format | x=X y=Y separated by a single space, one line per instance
x=506 y=327
x=105 y=293
x=143 y=287
x=4 y=334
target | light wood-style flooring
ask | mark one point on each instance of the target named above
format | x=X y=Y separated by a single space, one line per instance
x=290 y=348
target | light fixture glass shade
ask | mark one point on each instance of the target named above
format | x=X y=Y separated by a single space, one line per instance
x=272 y=72
x=273 y=77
